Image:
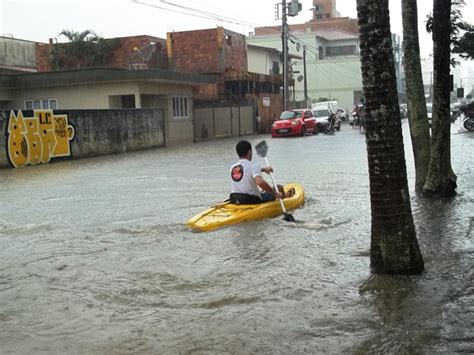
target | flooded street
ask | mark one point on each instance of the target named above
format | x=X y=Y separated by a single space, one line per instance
x=95 y=257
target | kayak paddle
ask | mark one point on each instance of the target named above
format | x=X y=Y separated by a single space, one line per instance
x=262 y=150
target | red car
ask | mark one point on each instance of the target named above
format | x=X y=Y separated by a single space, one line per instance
x=294 y=123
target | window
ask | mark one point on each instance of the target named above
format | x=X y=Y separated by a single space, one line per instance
x=45 y=104
x=341 y=50
x=275 y=68
x=180 y=107
x=128 y=101
x=320 y=52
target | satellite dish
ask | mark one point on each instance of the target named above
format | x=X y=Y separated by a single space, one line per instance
x=300 y=78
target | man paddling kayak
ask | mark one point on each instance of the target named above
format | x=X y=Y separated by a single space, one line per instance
x=246 y=179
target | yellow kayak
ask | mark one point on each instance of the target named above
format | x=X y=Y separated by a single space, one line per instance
x=226 y=213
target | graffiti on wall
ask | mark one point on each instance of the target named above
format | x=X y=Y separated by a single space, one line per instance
x=38 y=139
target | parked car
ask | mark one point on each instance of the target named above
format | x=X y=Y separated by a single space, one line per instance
x=294 y=123
x=322 y=115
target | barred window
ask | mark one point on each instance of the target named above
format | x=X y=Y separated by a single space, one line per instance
x=180 y=107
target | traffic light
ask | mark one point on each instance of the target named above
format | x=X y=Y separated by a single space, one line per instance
x=294 y=7
x=460 y=93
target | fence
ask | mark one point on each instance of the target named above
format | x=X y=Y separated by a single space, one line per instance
x=213 y=120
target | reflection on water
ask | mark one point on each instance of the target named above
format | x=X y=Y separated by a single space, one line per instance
x=95 y=257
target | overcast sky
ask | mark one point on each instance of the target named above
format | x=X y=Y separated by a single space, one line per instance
x=39 y=20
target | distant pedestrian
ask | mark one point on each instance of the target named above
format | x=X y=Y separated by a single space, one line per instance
x=257 y=122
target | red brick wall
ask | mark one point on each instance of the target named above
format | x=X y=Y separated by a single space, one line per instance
x=119 y=57
x=345 y=24
x=194 y=51
x=329 y=6
x=235 y=52
x=124 y=52
x=42 y=57
x=207 y=51
x=205 y=92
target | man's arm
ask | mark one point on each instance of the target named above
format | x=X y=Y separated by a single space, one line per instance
x=265 y=187
x=267 y=169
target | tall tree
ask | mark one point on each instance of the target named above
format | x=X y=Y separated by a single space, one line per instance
x=394 y=248
x=419 y=126
x=441 y=181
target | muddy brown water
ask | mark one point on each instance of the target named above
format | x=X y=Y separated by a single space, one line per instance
x=95 y=257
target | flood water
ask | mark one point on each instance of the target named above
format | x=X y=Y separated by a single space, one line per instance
x=95 y=257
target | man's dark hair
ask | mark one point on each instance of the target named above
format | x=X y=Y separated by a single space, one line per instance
x=243 y=148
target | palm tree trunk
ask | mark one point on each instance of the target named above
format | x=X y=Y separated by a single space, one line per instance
x=419 y=127
x=441 y=180
x=394 y=248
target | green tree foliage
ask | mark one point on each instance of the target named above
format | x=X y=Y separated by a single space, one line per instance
x=461 y=32
x=84 y=49
x=463 y=45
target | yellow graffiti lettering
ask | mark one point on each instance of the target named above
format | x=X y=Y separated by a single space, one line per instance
x=34 y=141
x=46 y=133
x=64 y=134
x=37 y=139
x=17 y=140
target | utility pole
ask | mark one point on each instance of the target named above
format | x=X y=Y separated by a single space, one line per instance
x=284 y=39
x=305 y=77
x=291 y=9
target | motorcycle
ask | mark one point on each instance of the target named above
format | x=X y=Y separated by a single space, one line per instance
x=334 y=123
x=356 y=119
x=468 y=120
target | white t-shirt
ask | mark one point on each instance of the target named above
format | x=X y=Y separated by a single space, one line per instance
x=242 y=175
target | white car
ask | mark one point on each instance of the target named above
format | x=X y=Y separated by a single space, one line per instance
x=322 y=119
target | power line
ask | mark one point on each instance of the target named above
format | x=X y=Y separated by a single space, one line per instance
x=215 y=16
x=196 y=12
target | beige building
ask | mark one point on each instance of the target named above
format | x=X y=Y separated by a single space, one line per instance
x=108 y=89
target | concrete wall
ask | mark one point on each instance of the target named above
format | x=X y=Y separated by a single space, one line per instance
x=261 y=60
x=41 y=136
x=17 y=53
x=178 y=130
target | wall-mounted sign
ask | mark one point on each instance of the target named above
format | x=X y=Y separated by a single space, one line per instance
x=266 y=102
